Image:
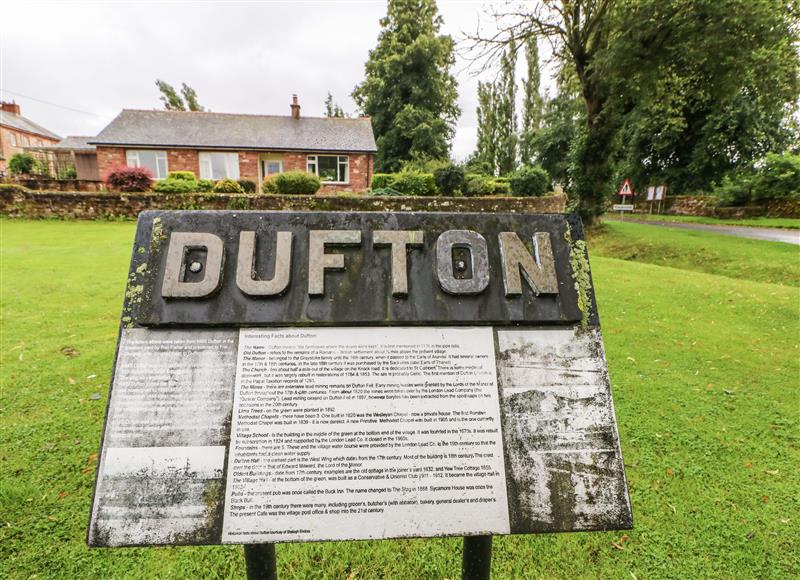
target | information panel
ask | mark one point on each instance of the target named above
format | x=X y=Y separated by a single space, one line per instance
x=248 y=431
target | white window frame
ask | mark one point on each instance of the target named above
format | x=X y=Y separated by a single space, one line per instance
x=132 y=159
x=231 y=165
x=265 y=166
x=13 y=137
x=312 y=166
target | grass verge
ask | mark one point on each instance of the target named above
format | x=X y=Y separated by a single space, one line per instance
x=704 y=369
x=760 y=222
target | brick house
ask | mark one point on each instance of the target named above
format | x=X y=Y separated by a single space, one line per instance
x=219 y=145
x=18 y=132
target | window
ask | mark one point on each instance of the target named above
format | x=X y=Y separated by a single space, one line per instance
x=219 y=165
x=329 y=168
x=155 y=161
x=13 y=137
x=271 y=167
x=25 y=141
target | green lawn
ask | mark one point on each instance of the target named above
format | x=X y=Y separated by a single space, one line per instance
x=761 y=222
x=704 y=364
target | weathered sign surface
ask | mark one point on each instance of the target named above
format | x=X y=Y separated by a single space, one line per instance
x=322 y=376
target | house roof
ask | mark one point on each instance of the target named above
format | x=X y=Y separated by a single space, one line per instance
x=24 y=124
x=73 y=143
x=235 y=131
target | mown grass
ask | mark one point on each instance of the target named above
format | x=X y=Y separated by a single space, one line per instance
x=705 y=373
x=758 y=222
x=698 y=251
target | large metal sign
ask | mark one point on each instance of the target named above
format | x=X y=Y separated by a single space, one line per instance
x=323 y=376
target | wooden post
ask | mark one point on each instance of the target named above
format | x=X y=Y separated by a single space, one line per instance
x=261 y=562
x=476 y=563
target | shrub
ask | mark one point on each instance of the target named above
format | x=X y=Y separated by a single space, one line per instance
x=501 y=187
x=228 y=186
x=182 y=175
x=124 y=178
x=477 y=184
x=247 y=185
x=171 y=185
x=68 y=173
x=293 y=182
x=530 y=182
x=268 y=185
x=779 y=178
x=205 y=185
x=449 y=179
x=25 y=164
x=382 y=180
x=385 y=191
x=734 y=191
x=414 y=183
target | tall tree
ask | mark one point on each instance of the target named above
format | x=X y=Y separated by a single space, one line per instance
x=408 y=89
x=332 y=109
x=173 y=101
x=486 y=148
x=170 y=97
x=190 y=98
x=532 y=104
x=506 y=113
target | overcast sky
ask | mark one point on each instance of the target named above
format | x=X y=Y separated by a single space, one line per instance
x=94 y=59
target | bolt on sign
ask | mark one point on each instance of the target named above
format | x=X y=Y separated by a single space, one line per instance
x=309 y=376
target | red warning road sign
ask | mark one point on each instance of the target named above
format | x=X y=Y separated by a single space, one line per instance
x=626 y=188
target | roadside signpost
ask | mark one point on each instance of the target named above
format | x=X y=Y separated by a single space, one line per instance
x=625 y=191
x=306 y=376
x=660 y=195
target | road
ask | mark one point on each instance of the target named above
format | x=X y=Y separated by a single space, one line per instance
x=768 y=234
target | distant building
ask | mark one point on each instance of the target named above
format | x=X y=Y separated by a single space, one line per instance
x=219 y=145
x=18 y=132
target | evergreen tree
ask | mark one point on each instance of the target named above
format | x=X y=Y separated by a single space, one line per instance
x=190 y=98
x=532 y=105
x=506 y=113
x=486 y=148
x=332 y=109
x=170 y=97
x=408 y=89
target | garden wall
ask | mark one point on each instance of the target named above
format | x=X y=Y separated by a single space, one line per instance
x=79 y=205
x=704 y=205
x=47 y=184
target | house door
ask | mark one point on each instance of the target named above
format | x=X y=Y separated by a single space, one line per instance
x=270 y=165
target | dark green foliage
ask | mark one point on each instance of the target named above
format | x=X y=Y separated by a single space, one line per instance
x=248 y=186
x=449 y=179
x=778 y=178
x=530 y=182
x=227 y=186
x=506 y=114
x=532 y=105
x=382 y=180
x=501 y=187
x=68 y=173
x=205 y=185
x=174 y=102
x=415 y=183
x=332 y=109
x=479 y=185
x=25 y=164
x=408 y=89
x=734 y=190
x=183 y=175
x=385 y=191
x=486 y=149
x=172 y=185
x=292 y=182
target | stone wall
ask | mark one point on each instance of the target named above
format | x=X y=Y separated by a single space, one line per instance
x=48 y=184
x=77 y=205
x=705 y=205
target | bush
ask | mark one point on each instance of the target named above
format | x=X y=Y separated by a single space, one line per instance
x=530 y=182
x=205 y=185
x=501 y=187
x=268 y=185
x=247 y=185
x=124 y=178
x=68 y=173
x=26 y=164
x=414 y=183
x=179 y=185
x=293 y=182
x=382 y=180
x=182 y=175
x=449 y=179
x=385 y=191
x=779 y=178
x=476 y=184
x=228 y=186
x=734 y=190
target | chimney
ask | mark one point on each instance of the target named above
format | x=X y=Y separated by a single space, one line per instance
x=295 y=108
x=11 y=107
